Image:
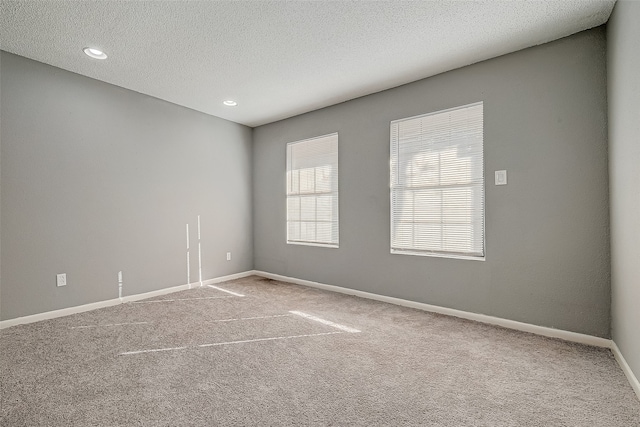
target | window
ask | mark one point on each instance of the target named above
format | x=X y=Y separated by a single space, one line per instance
x=437 y=184
x=312 y=191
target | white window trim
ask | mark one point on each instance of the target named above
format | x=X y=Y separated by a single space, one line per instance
x=316 y=244
x=484 y=216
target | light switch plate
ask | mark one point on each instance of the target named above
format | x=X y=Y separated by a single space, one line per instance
x=61 y=279
x=501 y=177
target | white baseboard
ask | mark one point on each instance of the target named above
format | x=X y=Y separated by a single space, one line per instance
x=506 y=323
x=109 y=303
x=58 y=313
x=633 y=380
x=229 y=277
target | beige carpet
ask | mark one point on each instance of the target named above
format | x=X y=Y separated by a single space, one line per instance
x=284 y=355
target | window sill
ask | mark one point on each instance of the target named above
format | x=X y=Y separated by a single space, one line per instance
x=438 y=255
x=321 y=245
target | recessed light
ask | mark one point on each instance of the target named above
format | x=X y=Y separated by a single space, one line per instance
x=95 y=53
x=230 y=103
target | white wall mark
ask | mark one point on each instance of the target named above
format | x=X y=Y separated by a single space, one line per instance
x=188 y=266
x=199 y=255
x=120 y=285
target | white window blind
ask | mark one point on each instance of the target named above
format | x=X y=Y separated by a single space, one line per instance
x=312 y=191
x=437 y=183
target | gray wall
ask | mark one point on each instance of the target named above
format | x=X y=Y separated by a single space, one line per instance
x=623 y=34
x=547 y=233
x=97 y=179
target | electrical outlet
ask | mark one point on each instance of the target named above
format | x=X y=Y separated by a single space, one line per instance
x=61 y=279
x=228 y=256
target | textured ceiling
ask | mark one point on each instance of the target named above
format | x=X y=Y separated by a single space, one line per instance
x=280 y=58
